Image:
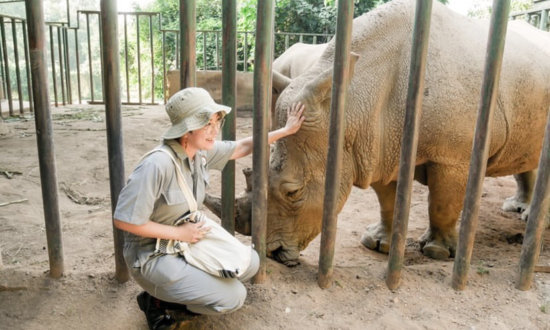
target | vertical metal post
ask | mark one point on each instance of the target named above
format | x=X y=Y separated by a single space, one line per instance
x=138 y=54
x=314 y=40
x=27 y=64
x=113 y=114
x=90 y=57
x=543 y=19
x=77 y=66
x=340 y=83
x=101 y=58
x=17 y=70
x=126 y=59
x=478 y=163
x=301 y=38
x=3 y=81
x=217 y=50
x=262 y=102
x=60 y=52
x=152 y=60
x=410 y=141
x=204 y=50
x=229 y=98
x=6 y=64
x=67 y=65
x=164 y=66
x=531 y=246
x=178 y=52
x=245 y=51
x=188 y=30
x=44 y=136
x=68 y=14
x=52 y=51
x=287 y=41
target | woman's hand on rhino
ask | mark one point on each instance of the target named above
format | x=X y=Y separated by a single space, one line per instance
x=192 y=232
x=294 y=119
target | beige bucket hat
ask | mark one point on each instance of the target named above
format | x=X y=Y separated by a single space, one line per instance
x=191 y=109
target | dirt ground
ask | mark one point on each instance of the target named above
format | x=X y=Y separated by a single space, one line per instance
x=88 y=296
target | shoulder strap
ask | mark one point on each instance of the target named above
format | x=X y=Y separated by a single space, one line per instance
x=181 y=179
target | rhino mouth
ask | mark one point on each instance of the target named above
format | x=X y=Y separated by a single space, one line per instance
x=288 y=256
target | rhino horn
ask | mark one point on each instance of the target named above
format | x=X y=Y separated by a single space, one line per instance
x=243 y=206
x=280 y=82
x=214 y=204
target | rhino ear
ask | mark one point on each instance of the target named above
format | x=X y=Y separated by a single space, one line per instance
x=321 y=86
x=280 y=82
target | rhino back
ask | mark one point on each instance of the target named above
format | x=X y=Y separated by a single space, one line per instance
x=454 y=74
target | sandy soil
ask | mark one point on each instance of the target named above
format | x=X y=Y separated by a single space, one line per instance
x=88 y=296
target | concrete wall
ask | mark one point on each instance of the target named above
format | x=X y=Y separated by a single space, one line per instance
x=212 y=82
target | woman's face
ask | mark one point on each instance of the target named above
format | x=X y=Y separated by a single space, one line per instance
x=204 y=138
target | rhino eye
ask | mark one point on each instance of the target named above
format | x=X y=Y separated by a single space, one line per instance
x=291 y=194
x=292 y=191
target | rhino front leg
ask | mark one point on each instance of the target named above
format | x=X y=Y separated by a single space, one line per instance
x=521 y=201
x=378 y=236
x=447 y=186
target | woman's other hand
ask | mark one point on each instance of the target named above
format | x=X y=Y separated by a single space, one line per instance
x=192 y=232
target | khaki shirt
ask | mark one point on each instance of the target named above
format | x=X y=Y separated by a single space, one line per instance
x=152 y=191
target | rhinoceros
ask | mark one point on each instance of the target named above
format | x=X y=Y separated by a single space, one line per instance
x=374 y=120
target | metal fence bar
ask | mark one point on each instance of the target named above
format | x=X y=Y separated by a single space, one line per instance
x=229 y=98
x=530 y=249
x=27 y=65
x=164 y=66
x=287 y=41
x=77 y=66
x=204 y=50
x=340 y=83
x=68 y=66
x=44 y=136
x=6 y=65
x=262 y=101
x=126 y=58
x=113 y=116
x=2 y=83
x=138 y=54
x=60 y=52
x=152 y=60
x=410 y=142
x=17 y=69
x=52 y=53
x=101 y=57
x=178 y=50
x=478 y=163
x=90 y=57
x=188 y=30
x=217 y=51
x=543 y=19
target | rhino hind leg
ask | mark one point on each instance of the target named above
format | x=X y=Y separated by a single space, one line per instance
x=447 y=185
x=378 y=236
x=521 y=201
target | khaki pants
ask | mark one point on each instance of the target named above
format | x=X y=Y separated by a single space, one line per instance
x=172 y=279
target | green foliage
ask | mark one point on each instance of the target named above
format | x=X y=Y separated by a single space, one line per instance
x=295 y=16
x=483 y=8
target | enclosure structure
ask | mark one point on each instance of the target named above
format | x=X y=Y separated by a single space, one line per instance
x=264 y=53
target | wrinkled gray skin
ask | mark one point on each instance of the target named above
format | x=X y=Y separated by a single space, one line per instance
x=374 y=125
